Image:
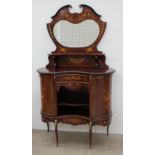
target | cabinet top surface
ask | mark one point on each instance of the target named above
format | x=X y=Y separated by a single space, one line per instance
x=78 y=71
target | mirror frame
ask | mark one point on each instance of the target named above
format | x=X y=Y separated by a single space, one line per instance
x=87 y=13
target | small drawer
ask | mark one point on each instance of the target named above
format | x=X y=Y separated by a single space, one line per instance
x=72 y=77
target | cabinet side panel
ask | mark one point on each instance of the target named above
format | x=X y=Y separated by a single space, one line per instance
x=47 y=95
x=101 y=105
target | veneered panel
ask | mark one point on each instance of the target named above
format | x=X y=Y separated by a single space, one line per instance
x=47 y=95
x=101 y=97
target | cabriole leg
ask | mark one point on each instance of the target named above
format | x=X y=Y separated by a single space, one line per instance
x=48 y=129
x=108 y=129
x=56 y=132
x=90 y=135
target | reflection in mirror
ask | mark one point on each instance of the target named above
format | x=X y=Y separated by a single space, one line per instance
x=76 y=35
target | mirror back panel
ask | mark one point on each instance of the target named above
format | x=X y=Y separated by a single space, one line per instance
x=76 y=36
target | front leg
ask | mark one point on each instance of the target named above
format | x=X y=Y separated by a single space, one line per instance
x=90 y=134
x=108 y=129
x=48 y=128
x=56 y=131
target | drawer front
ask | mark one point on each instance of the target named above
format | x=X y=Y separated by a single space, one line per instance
x=72 y=77
x=74 y=120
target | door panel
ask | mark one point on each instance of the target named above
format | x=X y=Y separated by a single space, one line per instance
x=47 y=95
x=101 y=97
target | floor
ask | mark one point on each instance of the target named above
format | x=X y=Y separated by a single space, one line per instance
x=75 y=143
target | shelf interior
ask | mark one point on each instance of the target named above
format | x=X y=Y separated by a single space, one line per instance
x=73 y=102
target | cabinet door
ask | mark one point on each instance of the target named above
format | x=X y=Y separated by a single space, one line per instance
x=47 y=97
x=101 y=99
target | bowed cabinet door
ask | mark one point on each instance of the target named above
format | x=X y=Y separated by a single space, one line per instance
x=47 y=97
x=101 y=99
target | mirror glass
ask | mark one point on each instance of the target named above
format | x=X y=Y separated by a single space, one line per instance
x=76 y=35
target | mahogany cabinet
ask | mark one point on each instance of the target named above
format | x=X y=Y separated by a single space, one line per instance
x=76 y=83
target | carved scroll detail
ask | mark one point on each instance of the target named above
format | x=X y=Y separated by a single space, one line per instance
x=76 y=60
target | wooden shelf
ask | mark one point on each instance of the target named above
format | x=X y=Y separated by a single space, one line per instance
x=69 y=109
x=74 y=104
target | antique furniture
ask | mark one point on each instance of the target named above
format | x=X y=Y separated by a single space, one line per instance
x=76 y=83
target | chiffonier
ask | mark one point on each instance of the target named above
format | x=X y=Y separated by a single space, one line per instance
x=76 y=83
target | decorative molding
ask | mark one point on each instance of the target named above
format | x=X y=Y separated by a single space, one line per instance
x=76 y=60
x=74 y=120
